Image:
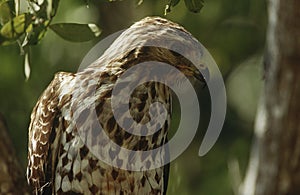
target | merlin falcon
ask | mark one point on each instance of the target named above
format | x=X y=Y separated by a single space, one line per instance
x=60 y=161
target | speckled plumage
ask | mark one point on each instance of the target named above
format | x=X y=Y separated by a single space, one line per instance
x=58 y=160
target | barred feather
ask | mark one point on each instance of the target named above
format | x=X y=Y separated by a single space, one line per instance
x=58 y=160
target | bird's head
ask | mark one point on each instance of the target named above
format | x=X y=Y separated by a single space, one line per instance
x=158 y=39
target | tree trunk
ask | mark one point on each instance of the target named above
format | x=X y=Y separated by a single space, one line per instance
x=274 y=166
x=12 y=176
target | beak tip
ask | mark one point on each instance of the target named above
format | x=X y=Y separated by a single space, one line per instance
x=203 y=75
x=206 y=74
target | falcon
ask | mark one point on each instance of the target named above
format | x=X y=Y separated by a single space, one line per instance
x=59 y=159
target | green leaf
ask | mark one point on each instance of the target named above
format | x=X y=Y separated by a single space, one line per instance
x=45 y=9
x=34 y=33
x=171 y=3
x=5 y=12
x=4 y=41
x=76 y=32
x=52 y=8
x=194 y=5
x=14 y=28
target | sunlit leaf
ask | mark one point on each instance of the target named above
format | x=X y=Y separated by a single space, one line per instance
x=45 y=9
x=171 y=3
x=34 y=33
x=139 y=2
x=52 y=8
x=76 y=32
x=5 y=12
x=27 y=66
x=15 y=27
x=17 y=6
x=194 y=5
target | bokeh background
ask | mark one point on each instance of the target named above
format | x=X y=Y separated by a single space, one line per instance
x=234 y=33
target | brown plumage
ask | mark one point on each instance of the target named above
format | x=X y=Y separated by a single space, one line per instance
x=58 y=160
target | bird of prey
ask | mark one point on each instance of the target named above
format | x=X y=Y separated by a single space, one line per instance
x=60 y=162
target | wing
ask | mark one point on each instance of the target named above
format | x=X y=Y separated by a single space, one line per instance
x=44 y=135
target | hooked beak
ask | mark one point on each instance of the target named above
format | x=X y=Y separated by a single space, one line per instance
x=202 y=75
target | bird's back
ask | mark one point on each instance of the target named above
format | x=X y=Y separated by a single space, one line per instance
x=78 y=170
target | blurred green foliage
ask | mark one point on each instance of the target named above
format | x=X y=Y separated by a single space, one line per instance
x=234 y=33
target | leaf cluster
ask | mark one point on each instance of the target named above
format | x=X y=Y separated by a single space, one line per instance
x=29 y=28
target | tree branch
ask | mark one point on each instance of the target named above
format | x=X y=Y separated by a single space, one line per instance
x=12 y=180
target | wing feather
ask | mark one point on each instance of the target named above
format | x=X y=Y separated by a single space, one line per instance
x=44 y=130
